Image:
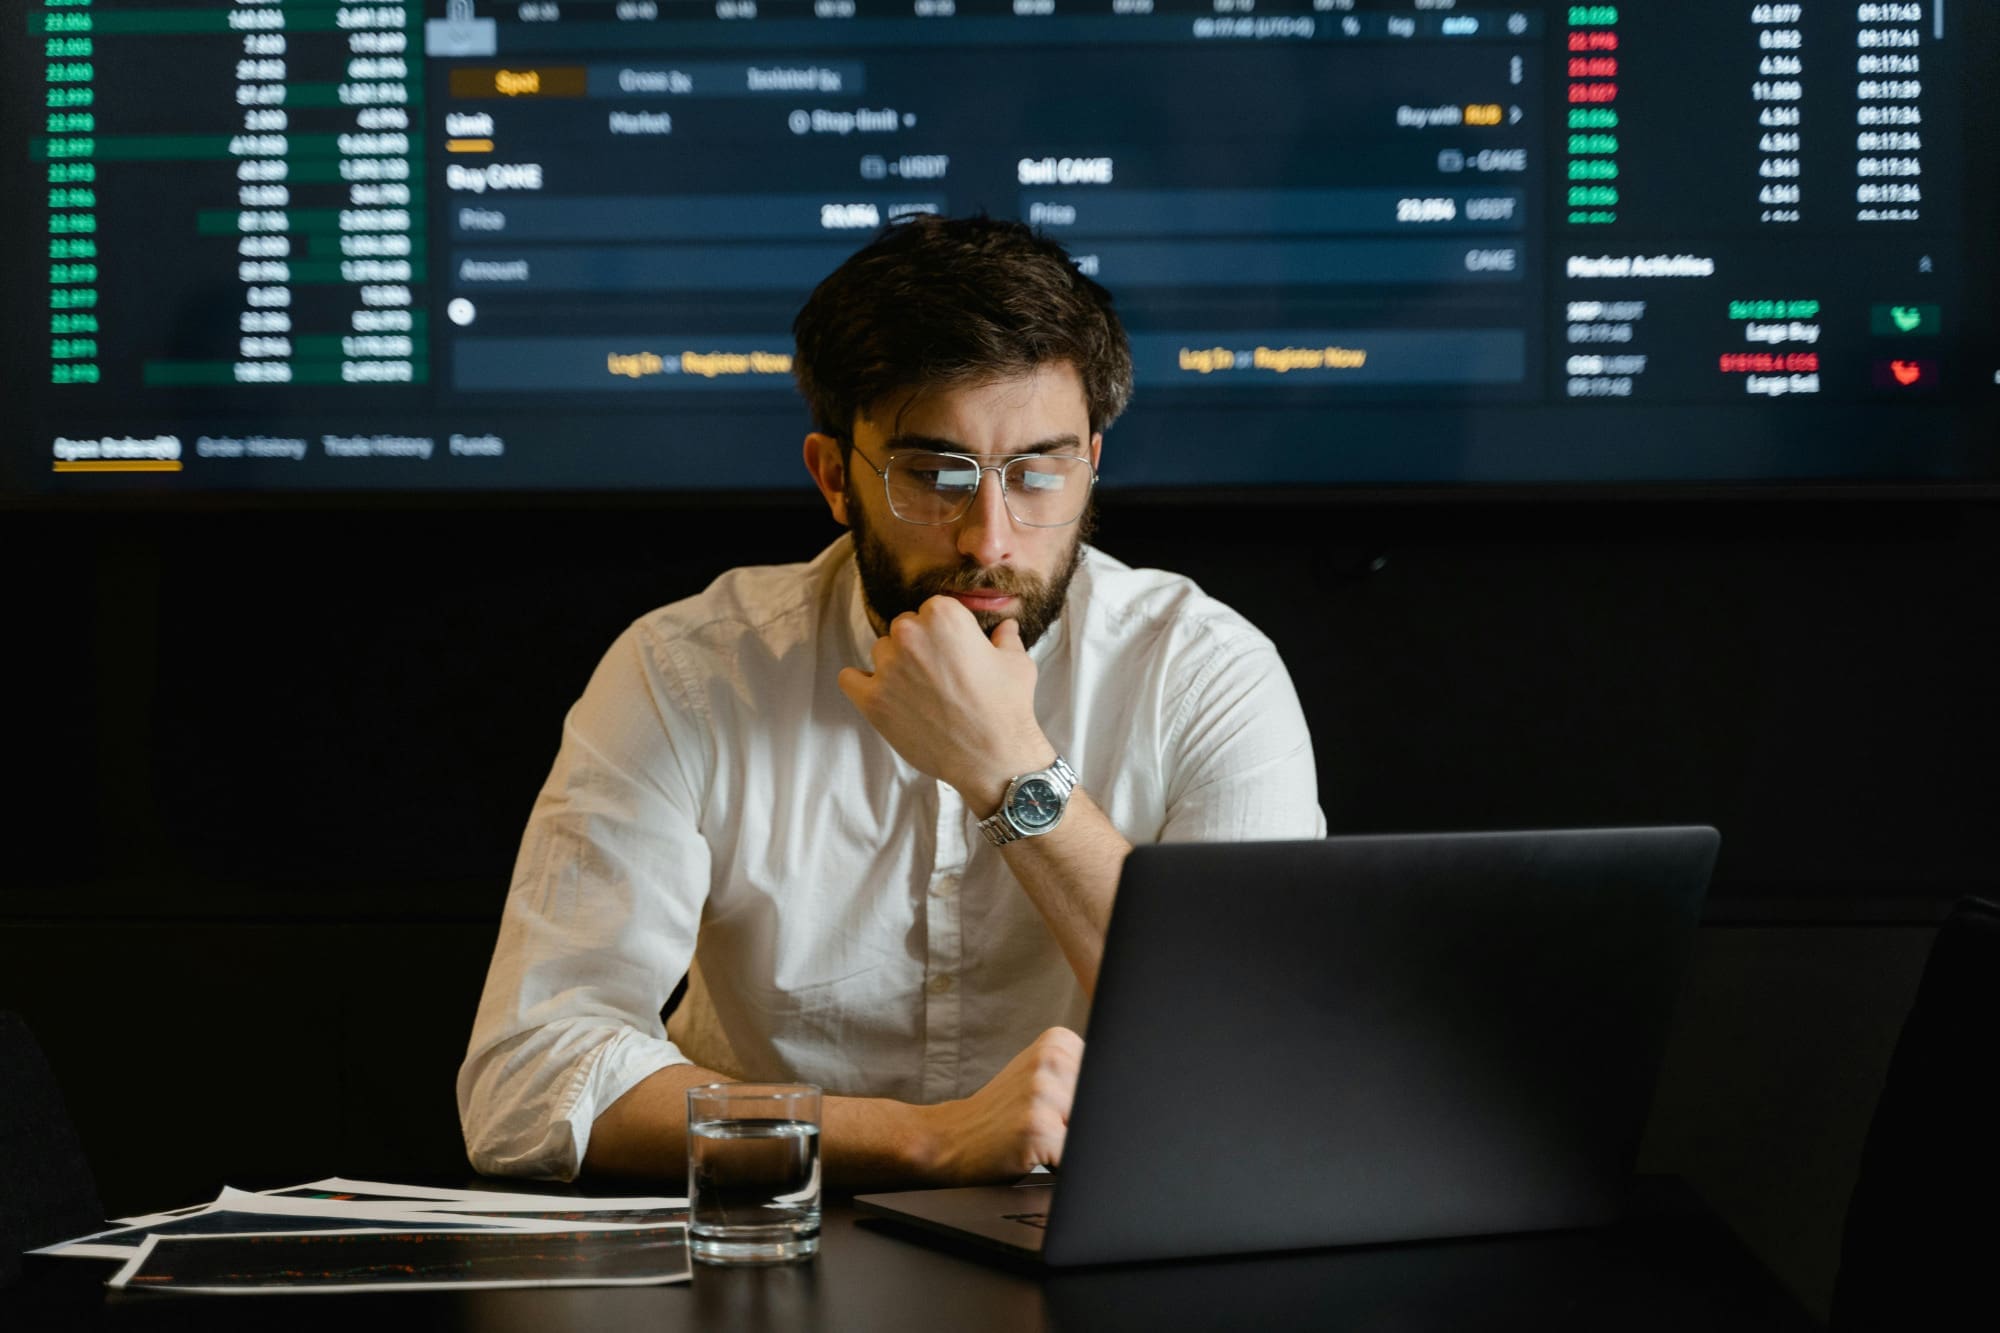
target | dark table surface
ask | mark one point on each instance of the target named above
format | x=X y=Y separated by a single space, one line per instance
x=1671 y=1266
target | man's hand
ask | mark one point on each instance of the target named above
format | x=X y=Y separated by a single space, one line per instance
x=955 y=704
x=1017 y=1122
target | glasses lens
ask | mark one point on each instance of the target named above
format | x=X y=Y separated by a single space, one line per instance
x=1047 y=490
x=931 y=488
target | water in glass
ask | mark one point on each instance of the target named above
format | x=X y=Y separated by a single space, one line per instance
x=753 y=1190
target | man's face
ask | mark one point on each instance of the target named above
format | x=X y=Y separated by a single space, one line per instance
x=997 y=568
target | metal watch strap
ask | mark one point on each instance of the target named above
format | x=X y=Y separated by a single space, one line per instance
x=999 y=829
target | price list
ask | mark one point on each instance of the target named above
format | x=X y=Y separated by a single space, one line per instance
x=1592 y=94
x=69 y=74
x=294 y=182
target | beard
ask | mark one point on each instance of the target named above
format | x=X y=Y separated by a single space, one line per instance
x=889 y=594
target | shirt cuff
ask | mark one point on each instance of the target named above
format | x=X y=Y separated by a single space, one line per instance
x=621 y=1064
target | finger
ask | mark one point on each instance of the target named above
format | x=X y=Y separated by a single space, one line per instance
x=1007 y=636
x=855 y=684
x=947 y=609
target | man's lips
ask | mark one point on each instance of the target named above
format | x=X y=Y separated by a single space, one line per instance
x=983 y=600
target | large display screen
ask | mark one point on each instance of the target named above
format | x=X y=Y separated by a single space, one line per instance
x=296 y=245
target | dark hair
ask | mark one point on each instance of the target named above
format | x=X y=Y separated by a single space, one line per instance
x=937 y=302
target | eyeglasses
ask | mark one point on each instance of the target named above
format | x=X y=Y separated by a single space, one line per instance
x=1039 y=490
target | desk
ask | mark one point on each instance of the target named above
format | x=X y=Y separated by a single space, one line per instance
x=1673 y=1267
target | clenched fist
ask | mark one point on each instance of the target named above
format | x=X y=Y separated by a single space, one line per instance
x=1017 y=1122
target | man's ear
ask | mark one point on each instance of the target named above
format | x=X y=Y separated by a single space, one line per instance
x=829 y=473
x=1097 y=450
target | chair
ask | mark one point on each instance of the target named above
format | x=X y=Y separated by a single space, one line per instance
x=46 y=1190
x=1923 y=1225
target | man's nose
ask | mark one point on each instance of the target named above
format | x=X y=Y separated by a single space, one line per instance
x=986 y=531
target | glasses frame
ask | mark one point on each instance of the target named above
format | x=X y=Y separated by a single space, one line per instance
x=998 y=469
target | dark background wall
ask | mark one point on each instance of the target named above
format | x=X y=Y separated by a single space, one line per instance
x=272 y=763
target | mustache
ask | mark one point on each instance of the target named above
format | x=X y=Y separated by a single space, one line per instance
x=971 y=577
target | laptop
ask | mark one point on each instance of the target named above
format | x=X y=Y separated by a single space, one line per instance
x=1357 y=1040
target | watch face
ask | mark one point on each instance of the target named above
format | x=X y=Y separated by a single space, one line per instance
x=1036 y=804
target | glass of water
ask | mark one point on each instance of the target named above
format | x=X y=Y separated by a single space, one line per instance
x=753 y=1172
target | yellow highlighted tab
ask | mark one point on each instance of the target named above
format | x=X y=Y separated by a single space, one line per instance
x=118 y=465
x=468 y=145
x=543 y=81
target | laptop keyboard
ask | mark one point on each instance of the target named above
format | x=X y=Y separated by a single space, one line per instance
x=1029 y=1219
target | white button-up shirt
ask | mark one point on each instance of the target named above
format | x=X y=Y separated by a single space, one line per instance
x=719 y=809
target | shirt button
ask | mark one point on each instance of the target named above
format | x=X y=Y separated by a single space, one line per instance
x=945 y=886
x=940 y=984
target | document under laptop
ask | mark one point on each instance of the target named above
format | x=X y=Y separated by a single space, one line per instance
x=1357 y=1040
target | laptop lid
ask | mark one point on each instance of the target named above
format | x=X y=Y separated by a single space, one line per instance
x=1370 y=1039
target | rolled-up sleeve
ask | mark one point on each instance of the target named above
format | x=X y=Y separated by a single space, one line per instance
x=600 y=920
x=1239 y=760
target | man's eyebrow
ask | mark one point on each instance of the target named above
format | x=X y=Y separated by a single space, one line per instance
x=936 y=444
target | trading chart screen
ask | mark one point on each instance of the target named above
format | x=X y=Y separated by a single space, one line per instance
x=297 y=245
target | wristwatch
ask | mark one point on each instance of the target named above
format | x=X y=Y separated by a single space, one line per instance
x=1033 y=805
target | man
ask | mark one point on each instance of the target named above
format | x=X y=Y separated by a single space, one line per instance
x=874 y=806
